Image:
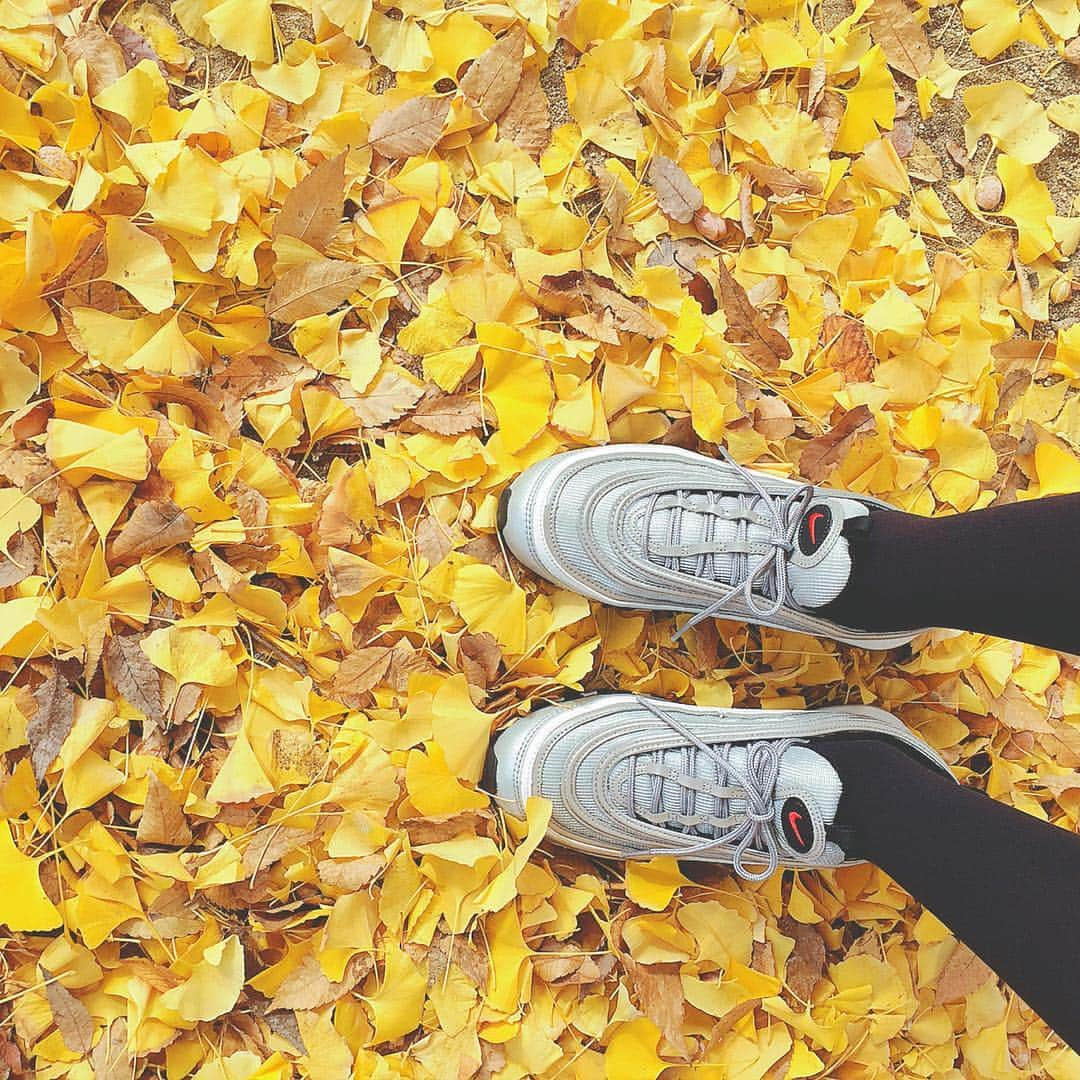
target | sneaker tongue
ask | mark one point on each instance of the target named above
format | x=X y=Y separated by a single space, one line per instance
x=818 y=568
x=804 y=776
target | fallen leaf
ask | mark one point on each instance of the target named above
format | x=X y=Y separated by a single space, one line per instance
x=101 y=53
x=676 y=194
x=747 y=328
x=819 y=456
x=410 y=129
x=47 y=729
x=131 y=672
x=493 y=77
x=894 y=28
x=845 y=348
x=593 y=303
x=313 y=288
x=70 y=1015
x=453 y=414
x=313 y=209
x=153 y=526
x=308 y=988
x=360 y=672
x=963 y=973
x=162 y=820
x=525 y=120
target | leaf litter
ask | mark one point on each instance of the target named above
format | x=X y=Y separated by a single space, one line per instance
x=291 y=294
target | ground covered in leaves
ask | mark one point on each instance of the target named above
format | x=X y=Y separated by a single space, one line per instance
x=288 y=296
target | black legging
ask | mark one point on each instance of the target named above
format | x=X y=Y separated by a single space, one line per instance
x=1006 y=883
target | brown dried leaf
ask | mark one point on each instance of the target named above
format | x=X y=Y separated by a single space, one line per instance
x=47 y=729
x=359 y=673
x=270 y=845
x=410 y=129
x=110 y=1059
x=676 y=194
x=314 y=288
x=963 y=973
x=593 y=303
x=525 y=121
x=923 y=163
x=308 y=988
x=313 y=209
x=821 y=455
x=845 y=348
x=153 y=526
x=492 y=78
x=70 y=1015
x=902 y=39
x=784 y=182
x=388 y=398
x=104 y=58
x=747 y=329
x=137 y=680
x=350 y=875
x=453 y=414
x=480 y=658
x=162 y=820
x=806 y=964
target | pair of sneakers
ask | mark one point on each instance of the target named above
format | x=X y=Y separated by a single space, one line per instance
x=632 y=777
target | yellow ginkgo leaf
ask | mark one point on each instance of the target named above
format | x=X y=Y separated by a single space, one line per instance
x=190 y=655
x=138 y=262
x=1015 y=124
x=631 y=1053
x=214 y=984
x=24 y=904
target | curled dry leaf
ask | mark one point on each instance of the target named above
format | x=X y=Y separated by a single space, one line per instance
x=313 y=288
x=162 y=820
x=104 y=59
x=747 y=328
x=313 y=209
x=493 y=77
x=676 y=194
x=410 y=129
x=845 y=348
x=819 y=456
x=153 y=526
x=593 y=304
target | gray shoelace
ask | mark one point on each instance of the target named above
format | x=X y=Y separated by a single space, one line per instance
x=753 y=834
x=781 y=516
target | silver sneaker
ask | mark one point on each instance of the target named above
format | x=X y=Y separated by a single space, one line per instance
x=666 y=529
x=631 y=777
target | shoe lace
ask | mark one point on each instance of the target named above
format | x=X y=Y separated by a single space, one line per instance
x=780 y=515
x=754 y=834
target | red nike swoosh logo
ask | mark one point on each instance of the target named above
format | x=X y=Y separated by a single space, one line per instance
x=794 y=817
x=811 y=524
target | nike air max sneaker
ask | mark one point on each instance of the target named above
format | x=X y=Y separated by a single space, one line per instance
x=666 y=529
x=632 y=777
